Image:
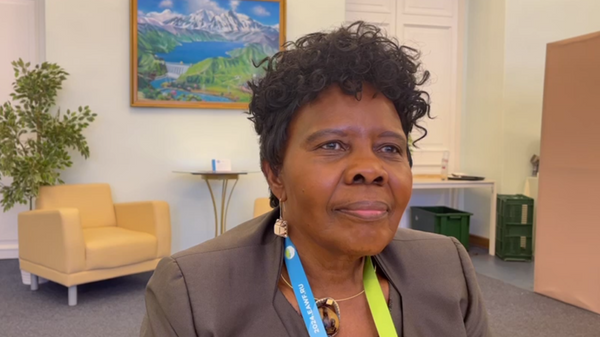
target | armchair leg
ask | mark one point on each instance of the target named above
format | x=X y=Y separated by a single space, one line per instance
x=34 y=282
x=72 y=296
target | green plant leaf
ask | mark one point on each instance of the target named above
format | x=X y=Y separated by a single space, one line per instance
x=34 y=142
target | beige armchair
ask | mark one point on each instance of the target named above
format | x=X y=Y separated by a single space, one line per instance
x=77 y=235
x=262 y=206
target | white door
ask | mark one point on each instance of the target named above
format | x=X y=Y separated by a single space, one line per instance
x=21 y=36
x=434 y=27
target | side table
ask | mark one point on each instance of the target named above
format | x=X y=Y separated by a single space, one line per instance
x=224 y=177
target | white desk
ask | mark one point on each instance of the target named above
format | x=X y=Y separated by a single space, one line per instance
x=454 y=185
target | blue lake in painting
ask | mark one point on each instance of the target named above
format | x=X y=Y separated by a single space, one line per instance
x=207 y=98
x=194 y=52
x=156 y=83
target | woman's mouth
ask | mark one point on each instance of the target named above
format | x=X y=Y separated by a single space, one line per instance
x=365 y=210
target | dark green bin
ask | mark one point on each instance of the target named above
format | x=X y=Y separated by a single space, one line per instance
x=442 y=220
x=515 y=208
x=514 y=228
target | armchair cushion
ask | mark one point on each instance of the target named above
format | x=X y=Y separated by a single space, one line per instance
x=94 y=202
x=108 y=247
x=150 y=217
x=262 y=206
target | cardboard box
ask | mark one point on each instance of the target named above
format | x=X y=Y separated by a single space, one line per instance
x=567 y=256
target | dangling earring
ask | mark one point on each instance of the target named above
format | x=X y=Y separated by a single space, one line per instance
x=281 y=226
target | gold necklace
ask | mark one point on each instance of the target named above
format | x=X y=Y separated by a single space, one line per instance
x=341 y=300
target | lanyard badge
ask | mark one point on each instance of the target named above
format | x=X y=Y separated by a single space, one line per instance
x=304 y=295
x=308 y=306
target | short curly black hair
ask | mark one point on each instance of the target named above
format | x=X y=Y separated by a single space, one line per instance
x=348 y=56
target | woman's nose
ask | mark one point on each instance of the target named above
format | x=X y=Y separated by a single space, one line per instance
x=365 y=167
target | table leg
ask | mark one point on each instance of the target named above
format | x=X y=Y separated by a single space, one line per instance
x=223 y=196
x=212 y=196
x=492 y=250
x=221 y=222
x=228 y=201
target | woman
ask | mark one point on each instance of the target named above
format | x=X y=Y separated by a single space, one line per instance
x=333 y=115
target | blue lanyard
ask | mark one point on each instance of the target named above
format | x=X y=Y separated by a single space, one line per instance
x=304 y=295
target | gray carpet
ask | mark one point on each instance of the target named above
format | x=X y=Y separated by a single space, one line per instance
x=114 y=308
x=111 y=308
x=515 y=312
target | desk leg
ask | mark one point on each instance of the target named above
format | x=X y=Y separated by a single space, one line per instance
x=212 y=196
x=494 y=196
x=454 y=198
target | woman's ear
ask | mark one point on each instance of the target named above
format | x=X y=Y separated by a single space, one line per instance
x=274 y=181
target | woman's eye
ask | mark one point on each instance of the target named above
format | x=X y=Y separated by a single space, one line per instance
x=390 y=149
x=332 y=146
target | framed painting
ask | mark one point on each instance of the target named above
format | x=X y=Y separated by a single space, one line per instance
x=201 y=53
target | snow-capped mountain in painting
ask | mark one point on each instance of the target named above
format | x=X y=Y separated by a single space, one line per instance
x=223 y=23
x=230 y=25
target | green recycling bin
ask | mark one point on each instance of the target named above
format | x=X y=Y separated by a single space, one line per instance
x=442 y=220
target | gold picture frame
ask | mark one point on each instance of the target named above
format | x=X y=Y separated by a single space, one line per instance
x=187 y=54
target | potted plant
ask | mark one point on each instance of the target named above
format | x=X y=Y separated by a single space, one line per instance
x=34 y=142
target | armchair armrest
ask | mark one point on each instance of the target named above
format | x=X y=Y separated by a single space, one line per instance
x=152 y=217
x=52 y=238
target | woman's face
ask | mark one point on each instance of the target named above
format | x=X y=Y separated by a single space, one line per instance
x=346 y=179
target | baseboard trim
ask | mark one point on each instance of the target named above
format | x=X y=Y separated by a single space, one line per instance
x=9 y=251
x=479 y=241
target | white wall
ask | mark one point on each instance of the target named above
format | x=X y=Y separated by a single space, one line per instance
x=530 y=25
x=483 y=108
x=506 y=51
x=135 y=150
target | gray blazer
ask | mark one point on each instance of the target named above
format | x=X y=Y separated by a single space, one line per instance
x=228 y=287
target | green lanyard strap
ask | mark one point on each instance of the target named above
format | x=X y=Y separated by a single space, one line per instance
x=377 y=304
